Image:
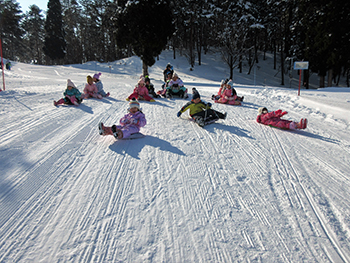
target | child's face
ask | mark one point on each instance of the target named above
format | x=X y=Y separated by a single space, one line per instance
x=90 y=81
x=197 y=100
x=69 y=87
x=134 y=110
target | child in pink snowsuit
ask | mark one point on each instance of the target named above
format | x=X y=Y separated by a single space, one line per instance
x=129 y=124
x=273 y=119
x=227 y=94
x=141 y=91
x=90 y=90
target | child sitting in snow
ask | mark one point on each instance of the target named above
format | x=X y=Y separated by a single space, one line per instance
x=162 y=92
x=150 y=87
x=129 y=124
x=200 y=111
x=176 y=87
x=99 y=85
x=90 y=90
x=140 y=91
x=71 y=95
x=227 y=94
x=273 y=119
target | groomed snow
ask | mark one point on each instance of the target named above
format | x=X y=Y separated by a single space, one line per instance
x=234 y=191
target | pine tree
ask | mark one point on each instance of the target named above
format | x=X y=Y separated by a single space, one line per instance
x=10 y=29
x=33 y=25
x=55 y=44
x=146 y=27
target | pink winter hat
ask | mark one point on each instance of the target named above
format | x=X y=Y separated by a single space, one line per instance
x=97 y=75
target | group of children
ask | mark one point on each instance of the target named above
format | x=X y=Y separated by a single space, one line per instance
x=227 y=94
x=93 y=89
x=200 y=111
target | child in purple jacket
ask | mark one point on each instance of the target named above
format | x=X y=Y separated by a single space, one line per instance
x=129 y=124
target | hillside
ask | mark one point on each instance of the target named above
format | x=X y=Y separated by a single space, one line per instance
x=234 y=191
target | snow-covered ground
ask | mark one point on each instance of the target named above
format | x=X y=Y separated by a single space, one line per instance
x=234 y=191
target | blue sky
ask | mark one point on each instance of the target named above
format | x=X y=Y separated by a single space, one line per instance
x=42 y=4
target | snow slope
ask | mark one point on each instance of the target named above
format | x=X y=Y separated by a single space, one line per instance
x=234 y=191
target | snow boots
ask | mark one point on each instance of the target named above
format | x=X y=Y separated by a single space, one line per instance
x=104 y=130
x=118 y=134
x=302 y=124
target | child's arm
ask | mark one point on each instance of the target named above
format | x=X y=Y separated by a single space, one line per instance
x=184 y=108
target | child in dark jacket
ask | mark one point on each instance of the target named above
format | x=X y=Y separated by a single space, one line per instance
x=150 y=88
x=273 y=119
x=129 y=124
x=200 y=111
x=71 y=95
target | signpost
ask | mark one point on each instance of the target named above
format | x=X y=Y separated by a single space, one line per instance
x=300 y=65
x=2 y=67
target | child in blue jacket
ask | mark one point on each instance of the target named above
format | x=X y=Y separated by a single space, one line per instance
x=72 y=95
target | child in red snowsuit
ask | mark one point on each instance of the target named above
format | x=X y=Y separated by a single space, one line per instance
x=273 y=119
x=141 y=91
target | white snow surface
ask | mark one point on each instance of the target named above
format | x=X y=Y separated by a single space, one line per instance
x=233 y=191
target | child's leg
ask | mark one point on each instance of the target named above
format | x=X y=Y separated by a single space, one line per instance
x=73 y=99
x=216 y=114
x=97 y=96
x=302 y=124
x=117 y=132
x=234 y=102
x=102 y=93
x=61 y=101
x=133 y=95
x=103 y=130
x=283 y=124
x=222 y=100
x=148 y=98
x=128 y=130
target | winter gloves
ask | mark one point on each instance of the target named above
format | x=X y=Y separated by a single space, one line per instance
x=279 y=113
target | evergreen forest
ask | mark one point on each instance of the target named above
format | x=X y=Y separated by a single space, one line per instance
x=243 y=31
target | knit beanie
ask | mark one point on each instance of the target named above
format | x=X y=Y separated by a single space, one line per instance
x=195 y=94
x=97 y=75
x=70 y=83
x=134 y=104
x=261 y=110
x=88 y=78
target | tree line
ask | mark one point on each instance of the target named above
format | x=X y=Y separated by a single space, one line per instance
x=77 y=31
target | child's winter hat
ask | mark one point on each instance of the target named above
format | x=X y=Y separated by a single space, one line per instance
x=195 y=94
x=262 y=110
x=97 y=75
x=141 y=81
x=230 y=82
x=134 y=104
x=88 y=78
x=70 y=83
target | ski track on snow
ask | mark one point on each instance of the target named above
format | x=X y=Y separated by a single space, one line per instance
x=229 y=192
